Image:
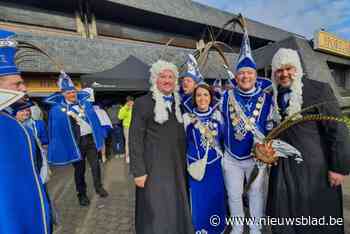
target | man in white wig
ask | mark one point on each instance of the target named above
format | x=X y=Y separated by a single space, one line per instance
x=311 y=188
x=157 y=156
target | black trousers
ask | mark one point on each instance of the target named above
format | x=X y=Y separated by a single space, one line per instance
x=88 y=151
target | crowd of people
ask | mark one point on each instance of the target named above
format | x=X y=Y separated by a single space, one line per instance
x=190 y=147
x=192 y=150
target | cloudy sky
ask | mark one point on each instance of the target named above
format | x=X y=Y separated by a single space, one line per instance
x=298 y=16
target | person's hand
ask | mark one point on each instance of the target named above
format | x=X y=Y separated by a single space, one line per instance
x=140 y=181
x=335 y=179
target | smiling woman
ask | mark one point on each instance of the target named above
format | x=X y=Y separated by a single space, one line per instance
x=203 y=97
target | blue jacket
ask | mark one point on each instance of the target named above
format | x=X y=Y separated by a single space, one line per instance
x=24 y=204
x=241 y=148
x=63 y=148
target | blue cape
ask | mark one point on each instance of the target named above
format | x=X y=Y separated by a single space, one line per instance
x=23 y=202
x=39 y=130
x=63 y=148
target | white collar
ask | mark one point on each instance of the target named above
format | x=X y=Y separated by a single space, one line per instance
x=295 y=100
x=203 y=114
x=161 y=114
x=251 y=91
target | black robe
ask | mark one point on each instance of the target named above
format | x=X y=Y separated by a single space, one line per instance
x=158 y=150
x=297 y=190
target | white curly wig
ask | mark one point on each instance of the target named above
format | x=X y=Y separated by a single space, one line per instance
x=161 y=114
x=282 y=58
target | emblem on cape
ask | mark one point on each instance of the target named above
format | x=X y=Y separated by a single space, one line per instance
x=243 y=125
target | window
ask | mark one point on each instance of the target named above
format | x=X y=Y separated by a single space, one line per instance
x=341 y=75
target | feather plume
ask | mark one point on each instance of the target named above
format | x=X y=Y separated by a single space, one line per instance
x=306 y=118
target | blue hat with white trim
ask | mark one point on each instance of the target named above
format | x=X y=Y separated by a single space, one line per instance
x=245 y=59
x=65 y=83
x=7 y=54
x=192 y=70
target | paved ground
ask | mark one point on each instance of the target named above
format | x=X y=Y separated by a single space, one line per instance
x=114 y=214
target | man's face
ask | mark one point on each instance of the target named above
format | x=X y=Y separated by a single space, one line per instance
x=246 y=78
x=188 y=84
x=70 y=96
x=285 y=75
x=166 y=82
x=13 y=82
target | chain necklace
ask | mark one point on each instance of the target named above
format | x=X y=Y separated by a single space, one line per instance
x=207 y=130
x=242 y=127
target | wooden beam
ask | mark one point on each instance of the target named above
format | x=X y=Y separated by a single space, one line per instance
x=14 y=13
x=141 y=34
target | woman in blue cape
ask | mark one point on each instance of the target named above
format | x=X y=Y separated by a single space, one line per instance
x=206 y=182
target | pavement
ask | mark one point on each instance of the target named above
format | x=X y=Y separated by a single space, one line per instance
x=114 y=214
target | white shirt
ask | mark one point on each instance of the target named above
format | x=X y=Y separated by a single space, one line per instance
x=85 y=127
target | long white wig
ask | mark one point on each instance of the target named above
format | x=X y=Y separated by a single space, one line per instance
x=161 y=114
x=289 y=57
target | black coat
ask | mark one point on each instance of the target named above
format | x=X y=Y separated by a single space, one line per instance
x=297 y=190
x=158 y=150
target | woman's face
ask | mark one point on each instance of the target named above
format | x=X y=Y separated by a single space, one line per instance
x=203 y=99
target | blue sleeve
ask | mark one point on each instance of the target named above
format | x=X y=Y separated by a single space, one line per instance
x=42 y=132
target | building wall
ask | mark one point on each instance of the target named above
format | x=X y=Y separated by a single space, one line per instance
x=58 y=32
x=315 y=64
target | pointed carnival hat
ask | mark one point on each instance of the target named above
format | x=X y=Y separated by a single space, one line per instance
x=65 y=83
x=192 y=70
x=245 y=58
